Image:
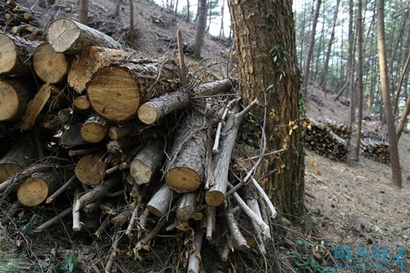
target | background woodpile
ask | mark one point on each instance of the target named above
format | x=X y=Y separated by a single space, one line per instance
x=330 y=139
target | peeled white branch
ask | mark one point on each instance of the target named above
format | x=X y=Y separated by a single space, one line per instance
x=258 y=220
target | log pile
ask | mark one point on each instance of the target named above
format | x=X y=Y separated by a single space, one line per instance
x=19 y=20
x=140 y=141
x=330 y=139
x=375 y=150
x=327 y=139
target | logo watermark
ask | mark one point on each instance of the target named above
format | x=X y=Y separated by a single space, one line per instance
x=376 y=257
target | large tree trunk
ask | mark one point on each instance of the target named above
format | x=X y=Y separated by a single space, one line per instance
x=388 y=111
x=259 y=78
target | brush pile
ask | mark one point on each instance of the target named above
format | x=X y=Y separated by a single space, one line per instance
x=144 y=143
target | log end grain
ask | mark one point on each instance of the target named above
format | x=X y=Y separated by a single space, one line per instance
x=8 y=54
x=50 y=66
x=114 y=94
x=10 y=102
x=92 y=132
x=62 y=33
x=140 y=171
x=33 y=192
x=148 y=114
x=7 y=170
x=214 y=198
x=182 y=179
x=90 y=170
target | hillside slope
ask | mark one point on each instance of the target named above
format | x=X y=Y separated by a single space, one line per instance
x=357 y=204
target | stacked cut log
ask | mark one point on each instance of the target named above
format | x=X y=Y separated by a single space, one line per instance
x=323 y=139
x=19 y=20
x=135 y=130
x=375 y=150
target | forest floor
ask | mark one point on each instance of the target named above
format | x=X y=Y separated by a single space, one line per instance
x=352 y=204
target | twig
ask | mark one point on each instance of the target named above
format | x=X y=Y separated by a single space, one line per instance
x=261 y=224
x=45 y=225
x=219 y=128
x=131 y=223
x=195 y=257
x=233 y=227
x=114 y=248
x=61 y=189
x=76 y=213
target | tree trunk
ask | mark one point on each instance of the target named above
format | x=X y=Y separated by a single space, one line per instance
x=200 y=29
x=83 y=12
x=388 y=111
x=310 y=49
x=71 y=37
x=260 y=78
x=323 y=82
x=360 y=65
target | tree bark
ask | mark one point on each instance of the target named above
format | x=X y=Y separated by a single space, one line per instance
x=261 y=77
x=21 y=155
x=71 y=37
x=200 y=29
x=306 y=68
x=15 y=55
x=156 y=108
x=83 y=11
x=186 y=168
x=388 y=111
x=147 y=161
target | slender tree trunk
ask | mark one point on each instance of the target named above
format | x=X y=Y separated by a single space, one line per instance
x=360 y=58
x=388 y=111
x=132 y=28
x=399 y=85
x=351 y=62
x=221 y=30
x=83 y=11
x=258 y=65
x=323 y=81
x=188 y=13
x=200 y=29
x=310 y=49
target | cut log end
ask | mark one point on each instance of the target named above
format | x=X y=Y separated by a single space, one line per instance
x=33 y=192
x=62 y=34
x=90 y=170
x=49 y=66
x=182 y=179
x=114 y=94
x=8 y=54
x=9 y=101
x=148 y=114
x=214 y=198
x=8 y=170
